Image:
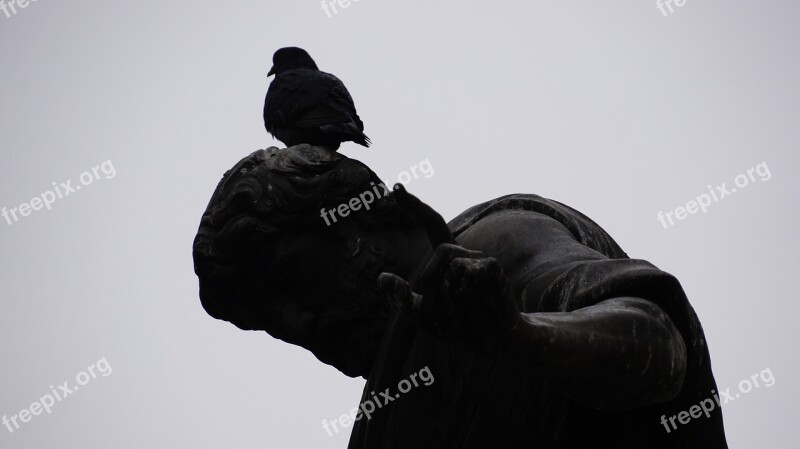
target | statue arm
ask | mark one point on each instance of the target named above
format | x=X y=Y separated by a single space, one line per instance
x=612 y=352
x=618 y=354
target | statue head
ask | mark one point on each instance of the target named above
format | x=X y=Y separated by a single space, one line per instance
x=277 y=251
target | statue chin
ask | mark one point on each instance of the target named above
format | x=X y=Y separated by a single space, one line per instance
x=351 y=366
x=351 y=363
x=350 y=350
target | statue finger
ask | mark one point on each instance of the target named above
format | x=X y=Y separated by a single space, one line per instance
x=398 y=291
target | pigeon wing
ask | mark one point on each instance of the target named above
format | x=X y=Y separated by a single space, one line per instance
x=314 y=101
x=307 y=98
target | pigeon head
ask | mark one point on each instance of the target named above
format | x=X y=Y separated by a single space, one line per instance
x=290 y=58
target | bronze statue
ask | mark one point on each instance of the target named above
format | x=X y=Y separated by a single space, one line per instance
x=539 y=330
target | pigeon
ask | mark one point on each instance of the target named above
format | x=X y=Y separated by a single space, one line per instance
x=306 y=105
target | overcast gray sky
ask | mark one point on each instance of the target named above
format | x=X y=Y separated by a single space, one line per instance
x=610 y=107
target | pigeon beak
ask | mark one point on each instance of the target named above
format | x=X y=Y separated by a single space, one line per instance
x=271 y=72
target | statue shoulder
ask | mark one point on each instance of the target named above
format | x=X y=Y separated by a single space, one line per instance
x=582 y=227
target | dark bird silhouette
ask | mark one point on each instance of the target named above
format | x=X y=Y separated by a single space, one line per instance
x=306 y=105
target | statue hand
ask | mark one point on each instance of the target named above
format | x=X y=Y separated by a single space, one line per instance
x=461 y=295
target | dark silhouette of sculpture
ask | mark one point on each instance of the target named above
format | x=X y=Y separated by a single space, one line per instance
x=306 y=105
x=539 y=329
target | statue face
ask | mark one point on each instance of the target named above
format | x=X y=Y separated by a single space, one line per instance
x=324 y=295
x=303 y=287
x=323 y=300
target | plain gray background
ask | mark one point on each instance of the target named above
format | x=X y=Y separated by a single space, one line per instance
x=609 y=107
